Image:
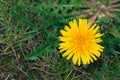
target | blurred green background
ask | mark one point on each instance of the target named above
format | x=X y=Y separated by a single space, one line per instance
x=29 y=31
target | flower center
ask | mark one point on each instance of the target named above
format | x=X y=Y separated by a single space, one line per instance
x=82 y=40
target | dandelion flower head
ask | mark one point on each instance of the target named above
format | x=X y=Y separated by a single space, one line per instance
x=80 y=42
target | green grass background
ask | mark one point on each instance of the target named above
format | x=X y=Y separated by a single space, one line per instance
x=29 y=31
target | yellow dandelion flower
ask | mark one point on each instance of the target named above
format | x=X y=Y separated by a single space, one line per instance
x=79 y=41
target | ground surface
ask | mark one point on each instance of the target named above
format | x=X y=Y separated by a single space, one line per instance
x=29 y=32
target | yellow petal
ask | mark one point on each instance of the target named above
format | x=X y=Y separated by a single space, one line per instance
x=94 y=31
x=66 y=28
x=63 y=49
x=98 y=40
x=64 y=33
x=66 y=53
x=92 y=28
x=95 y=52
x=64 y=39
x=88 y=57
x=83 y=26
x=98 y=35
x=84 y=59
x=73 y=25
x=75 y=57
x=69 y=56
x=79 y=61
x=93 y=57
